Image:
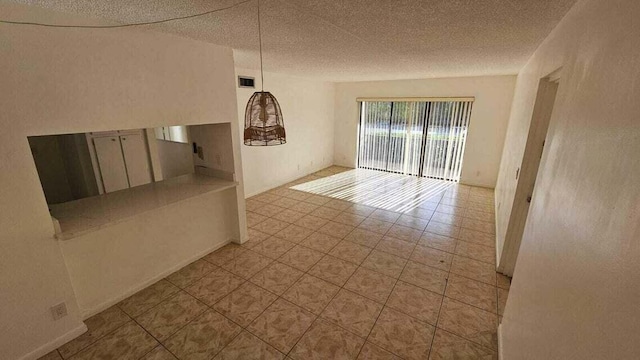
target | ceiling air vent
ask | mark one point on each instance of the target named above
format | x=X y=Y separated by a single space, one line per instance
x=246 y=82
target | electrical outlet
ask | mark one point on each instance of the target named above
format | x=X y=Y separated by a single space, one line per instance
x=59 y=311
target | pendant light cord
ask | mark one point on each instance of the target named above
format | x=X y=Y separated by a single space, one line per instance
x=260 y=41
x=127 y=25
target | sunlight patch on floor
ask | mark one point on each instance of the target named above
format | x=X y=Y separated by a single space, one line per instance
x=394 y=192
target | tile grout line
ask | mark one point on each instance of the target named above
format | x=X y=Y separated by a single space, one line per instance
x=444 y=292
x=448 y=273
x=281 y=297
x=270 y=304
x=439 y=308
x=210 y=308
x=445 y=296
x=332 y=298
x=390 y=293
x=131 y=320
x=385 y=234
x=156 y=339
x=242 y=328
x=359 y=265
x=385 y=305
x=329 y=302
x=174 y=295
x=70 y=357
x=415 y=244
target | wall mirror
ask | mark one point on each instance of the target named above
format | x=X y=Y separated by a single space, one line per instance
x=76 y=166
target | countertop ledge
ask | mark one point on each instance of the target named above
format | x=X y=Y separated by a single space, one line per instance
x=82 y=216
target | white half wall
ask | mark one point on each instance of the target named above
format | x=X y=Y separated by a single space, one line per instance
x=576 y=283
x=307 y=109
x=487 y=127
x=57 y=81
x=114 y=262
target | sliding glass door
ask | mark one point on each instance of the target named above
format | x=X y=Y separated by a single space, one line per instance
x=374 y=135
x=422 y=138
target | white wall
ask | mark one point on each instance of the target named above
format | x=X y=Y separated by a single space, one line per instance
x=307 y=109
x=576 y=284
x=58 y=81
x=175 y=158
x=486 y=130
x=217 y=150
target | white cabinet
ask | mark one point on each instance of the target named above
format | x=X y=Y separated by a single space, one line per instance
x=123 y=160
x=111 y=162
x=136 y=159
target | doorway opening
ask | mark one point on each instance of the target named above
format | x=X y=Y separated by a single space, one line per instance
x=527 y=173
x=420 y=137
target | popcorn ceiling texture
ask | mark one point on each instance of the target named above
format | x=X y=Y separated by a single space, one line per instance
x=352 y=40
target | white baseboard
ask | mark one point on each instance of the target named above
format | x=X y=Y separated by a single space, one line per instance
x=52 y=345
x=86 y=313
x=476 y=184
x=500 y=342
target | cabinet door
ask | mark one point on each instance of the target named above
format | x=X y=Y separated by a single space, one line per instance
x=111 y=163
x=136 y=159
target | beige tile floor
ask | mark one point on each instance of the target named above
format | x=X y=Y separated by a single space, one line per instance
x=325 y=278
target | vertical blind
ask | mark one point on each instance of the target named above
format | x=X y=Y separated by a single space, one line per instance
x=421 y=138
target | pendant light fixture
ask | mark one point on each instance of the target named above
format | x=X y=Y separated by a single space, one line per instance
x=263 y=123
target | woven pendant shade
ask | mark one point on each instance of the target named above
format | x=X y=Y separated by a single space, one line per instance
x=263 y=124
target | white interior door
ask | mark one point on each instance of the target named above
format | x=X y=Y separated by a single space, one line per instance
x=136 y=159
x=112 y=167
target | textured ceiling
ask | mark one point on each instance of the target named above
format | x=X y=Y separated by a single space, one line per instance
x=346 y=40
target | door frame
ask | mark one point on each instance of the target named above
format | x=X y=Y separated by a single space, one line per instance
x=527 y=173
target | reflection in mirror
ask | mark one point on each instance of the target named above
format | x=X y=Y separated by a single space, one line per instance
x=82 y=165
x=77 y=166
x=172 y=133
x=64 y=166
x=87 y=178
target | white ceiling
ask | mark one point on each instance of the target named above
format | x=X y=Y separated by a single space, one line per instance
x=346 y=40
